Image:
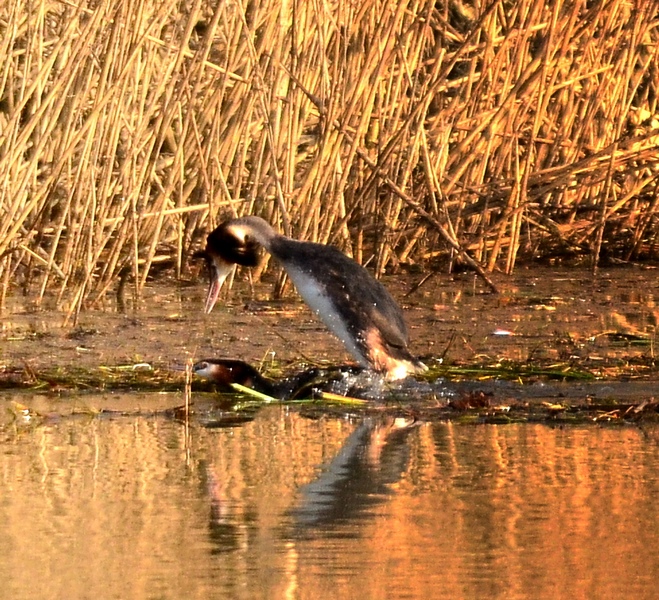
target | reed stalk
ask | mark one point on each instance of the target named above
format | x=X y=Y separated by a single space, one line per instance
x=404 y=132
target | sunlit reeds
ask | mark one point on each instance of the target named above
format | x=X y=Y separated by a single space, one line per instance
x=400 y=131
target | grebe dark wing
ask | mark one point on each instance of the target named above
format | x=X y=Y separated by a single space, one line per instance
x=357 y=308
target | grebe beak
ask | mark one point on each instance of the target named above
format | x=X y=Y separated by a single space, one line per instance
x=218 y=271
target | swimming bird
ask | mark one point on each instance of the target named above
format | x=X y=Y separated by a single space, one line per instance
x=355 y=307
x=224 y=371
x=307 y=383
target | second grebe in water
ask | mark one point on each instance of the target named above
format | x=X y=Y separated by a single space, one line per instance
x=354 y=306
x=305 y=384
x=224 y=371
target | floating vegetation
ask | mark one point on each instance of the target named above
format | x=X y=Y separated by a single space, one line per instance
x=509 y=370
x=138 y=377
x=260 y=397
x=145 y=377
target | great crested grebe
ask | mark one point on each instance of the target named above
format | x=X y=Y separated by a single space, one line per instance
x=355 y=307
x=224 y=371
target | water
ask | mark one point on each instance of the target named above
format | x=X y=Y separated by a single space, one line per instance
x=545 y=314
x=303 y=504
x=287 y=506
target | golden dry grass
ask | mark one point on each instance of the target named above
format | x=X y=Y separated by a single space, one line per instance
x=399 y=131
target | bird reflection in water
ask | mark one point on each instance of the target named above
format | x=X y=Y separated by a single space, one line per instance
x=358 y=478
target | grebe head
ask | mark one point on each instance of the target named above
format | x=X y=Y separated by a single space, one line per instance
x=227 y=371
x=226 y=246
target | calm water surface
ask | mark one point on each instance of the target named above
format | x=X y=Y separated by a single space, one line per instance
x=291 y=507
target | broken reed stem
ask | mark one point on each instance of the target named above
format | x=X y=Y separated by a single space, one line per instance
x=395 y=130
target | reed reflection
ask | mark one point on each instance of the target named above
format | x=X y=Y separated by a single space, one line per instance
x=337 y=502
x=473 y=511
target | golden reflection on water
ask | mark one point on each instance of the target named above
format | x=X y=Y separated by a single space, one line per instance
x=292 y=507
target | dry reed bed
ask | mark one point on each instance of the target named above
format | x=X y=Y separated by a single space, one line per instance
x=397 y=130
